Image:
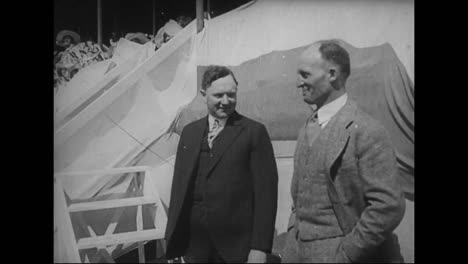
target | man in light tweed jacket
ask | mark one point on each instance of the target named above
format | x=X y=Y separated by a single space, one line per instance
x=346 y=200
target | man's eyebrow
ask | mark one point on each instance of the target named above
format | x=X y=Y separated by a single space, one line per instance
x=221 y=93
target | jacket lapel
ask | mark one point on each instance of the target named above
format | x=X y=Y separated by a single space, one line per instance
x=193 y=148
x=188 y=159
x=339 y=135
x=230 y=132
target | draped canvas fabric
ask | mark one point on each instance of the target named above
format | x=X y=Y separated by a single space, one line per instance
x=263 y=26
x=129 y=124
x=126 y=52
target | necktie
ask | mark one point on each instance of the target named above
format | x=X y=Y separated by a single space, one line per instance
x=214 y=131
x=312 y=129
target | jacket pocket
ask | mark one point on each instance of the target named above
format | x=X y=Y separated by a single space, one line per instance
x=341 y=256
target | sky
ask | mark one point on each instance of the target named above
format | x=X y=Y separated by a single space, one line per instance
x=126 y=16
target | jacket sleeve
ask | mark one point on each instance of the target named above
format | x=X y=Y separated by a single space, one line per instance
x=265 y=185
x=177 y=166
x=385 y=202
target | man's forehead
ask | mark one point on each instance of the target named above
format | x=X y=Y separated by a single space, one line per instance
x=312 y=52
x=227 y=80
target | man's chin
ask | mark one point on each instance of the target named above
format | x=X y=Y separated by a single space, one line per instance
x=309 y=101
x=223 y=114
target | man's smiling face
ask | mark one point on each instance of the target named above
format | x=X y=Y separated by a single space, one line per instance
x=313 y=77
x=221 y=96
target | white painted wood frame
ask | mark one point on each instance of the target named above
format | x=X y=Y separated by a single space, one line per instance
x=150 y=196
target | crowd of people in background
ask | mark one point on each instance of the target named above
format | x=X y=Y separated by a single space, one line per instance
x=73 y=54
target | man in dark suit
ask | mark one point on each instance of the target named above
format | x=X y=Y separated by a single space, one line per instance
x=346 y=200
x=224 y=191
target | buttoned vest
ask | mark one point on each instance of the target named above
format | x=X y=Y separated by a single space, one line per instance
x=204 y=159
x=315 y=217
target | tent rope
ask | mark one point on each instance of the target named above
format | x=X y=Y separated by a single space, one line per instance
x=134 y=138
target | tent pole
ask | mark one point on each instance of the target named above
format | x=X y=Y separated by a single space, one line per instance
x=200 y=22
x=154 y=17
x=99 y=22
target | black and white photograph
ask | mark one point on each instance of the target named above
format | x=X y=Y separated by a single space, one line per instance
x=261 y=131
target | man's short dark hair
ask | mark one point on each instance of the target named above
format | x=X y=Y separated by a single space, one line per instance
x=331 y=51
x=213 y=73
x=183 y=20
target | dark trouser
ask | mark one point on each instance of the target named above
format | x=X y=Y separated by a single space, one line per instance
x=201 y=248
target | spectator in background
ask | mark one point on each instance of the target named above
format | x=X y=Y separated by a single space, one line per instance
x=67 y=38
x=170 y=29
x=183 y=21
x=112 y=44
x=76 y=56
x=64 y=40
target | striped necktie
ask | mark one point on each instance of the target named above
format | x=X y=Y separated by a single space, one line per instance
x=214 y=131
x=312 y=129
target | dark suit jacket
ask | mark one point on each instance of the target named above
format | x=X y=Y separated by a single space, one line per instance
x=241 y=189
x=361 y=163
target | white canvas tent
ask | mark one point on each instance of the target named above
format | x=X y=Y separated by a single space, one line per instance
x=126 y=116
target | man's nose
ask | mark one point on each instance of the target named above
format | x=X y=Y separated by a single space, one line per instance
x=224 y=100
x=299 y=82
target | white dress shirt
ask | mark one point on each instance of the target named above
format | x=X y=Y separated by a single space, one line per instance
x=211 y=119
x=326 y=112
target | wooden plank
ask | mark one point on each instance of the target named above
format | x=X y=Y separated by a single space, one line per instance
x=103 y=178
x=104 y=171
x=68 y=248
x=121 y=238
x=78 y=121
x=98 y=205
x=141 y=245
x=98 y=255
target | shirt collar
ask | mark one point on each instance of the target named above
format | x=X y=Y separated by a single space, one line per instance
x=211 y=119
x=327 y=111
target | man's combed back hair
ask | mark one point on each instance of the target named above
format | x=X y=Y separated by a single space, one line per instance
x=333 y=52
x=213 y=73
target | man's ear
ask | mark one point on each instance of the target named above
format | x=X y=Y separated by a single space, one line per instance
x=203 y=93
x=333 y=73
